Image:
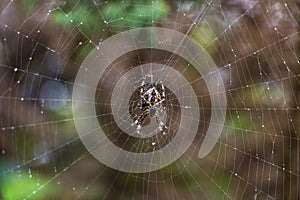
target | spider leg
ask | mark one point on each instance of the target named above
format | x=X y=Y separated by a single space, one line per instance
x=141 y=92
x=159 y=102
x=163 y=91
x=143 y=116
x=139 y=121
x=163 y=95
x=142 y=88
x=161 y=125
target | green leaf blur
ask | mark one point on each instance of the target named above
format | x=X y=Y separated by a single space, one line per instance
x=23 y=186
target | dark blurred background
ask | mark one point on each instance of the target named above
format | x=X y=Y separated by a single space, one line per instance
x=255 y=44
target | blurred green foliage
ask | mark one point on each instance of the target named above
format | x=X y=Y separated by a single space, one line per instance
x=91 y=18
x=83 y=15
x=205 y=36
x=136 y=13
x=23 y=185
x=111 y=16
x=241 y=121
x=125 y=14
x=29 y=4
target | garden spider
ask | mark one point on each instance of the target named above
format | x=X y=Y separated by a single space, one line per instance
x=150 y=103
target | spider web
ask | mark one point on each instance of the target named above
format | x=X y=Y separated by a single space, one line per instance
x=255 y=46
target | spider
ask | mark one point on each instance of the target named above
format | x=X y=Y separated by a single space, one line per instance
x=150 y=103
